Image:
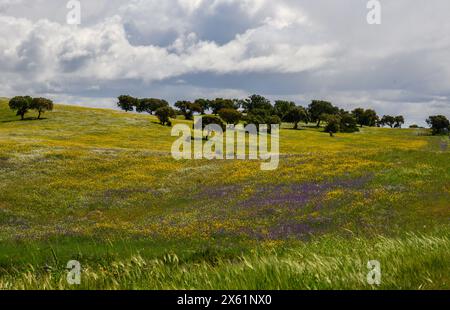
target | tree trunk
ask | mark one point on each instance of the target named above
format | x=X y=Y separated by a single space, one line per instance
x=22 y=116
x=39 y=116
x=331 y=134
x=318 y=124
x=296 y=126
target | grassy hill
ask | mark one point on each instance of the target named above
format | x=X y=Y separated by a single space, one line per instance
x=100 y=186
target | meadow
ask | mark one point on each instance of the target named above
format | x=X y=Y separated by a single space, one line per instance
x=101 y=187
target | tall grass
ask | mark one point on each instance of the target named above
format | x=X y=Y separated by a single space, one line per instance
x=411 y=262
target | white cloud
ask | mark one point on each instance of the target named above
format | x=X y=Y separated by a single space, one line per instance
x=320 y=48
x=51 y=50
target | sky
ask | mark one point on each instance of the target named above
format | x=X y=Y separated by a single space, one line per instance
x=185 y=49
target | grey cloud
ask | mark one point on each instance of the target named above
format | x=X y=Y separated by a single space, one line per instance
x=289 y=48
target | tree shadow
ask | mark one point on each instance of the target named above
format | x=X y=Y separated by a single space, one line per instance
x=26 y=119
x=298 y=129
x=312 y=126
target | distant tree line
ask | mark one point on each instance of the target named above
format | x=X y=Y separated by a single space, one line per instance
x=255 y=109
x=259 y=110
x=23 y=104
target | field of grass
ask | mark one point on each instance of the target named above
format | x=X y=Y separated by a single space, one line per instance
x=101 y=187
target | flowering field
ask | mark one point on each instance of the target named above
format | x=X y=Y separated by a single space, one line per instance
x=101 y=187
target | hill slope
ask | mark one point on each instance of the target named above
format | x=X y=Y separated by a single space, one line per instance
x=105 y=183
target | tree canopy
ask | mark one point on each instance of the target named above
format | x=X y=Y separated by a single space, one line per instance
x=188 y=108
x=295 y=115
x=256 y=102
x=333 y=123
x=399 y=121
x=282 y=108
x=230 y=116
x=392 y=121
x=318 y=108
x=439 y=124
x=150 y=105
x=219 y=103
x=365 y=117
x=164 y=114
x=41 y=105
x=21 y=104
x=127 y=103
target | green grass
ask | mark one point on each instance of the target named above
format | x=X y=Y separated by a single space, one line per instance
x=100 y=186
x=412 y=262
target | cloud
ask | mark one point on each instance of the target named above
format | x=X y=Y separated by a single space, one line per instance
x=47 y=50
x=295 y=49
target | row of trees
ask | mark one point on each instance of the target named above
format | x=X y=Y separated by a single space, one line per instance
x=253 y=110
x=259 y=110
x=23 y=104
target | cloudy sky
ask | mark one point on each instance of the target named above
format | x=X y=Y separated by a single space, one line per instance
x=184 y=49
